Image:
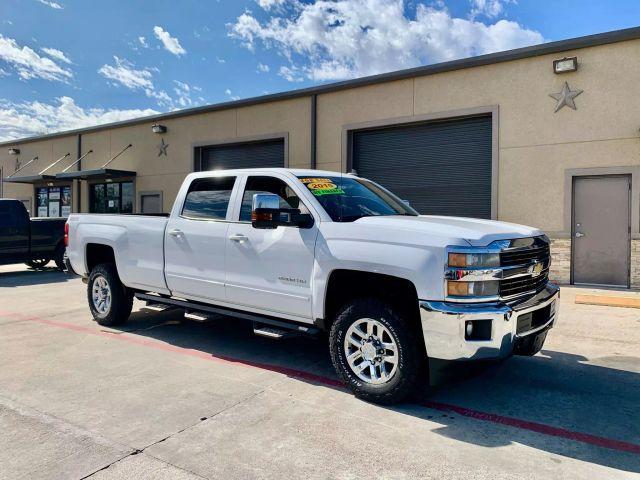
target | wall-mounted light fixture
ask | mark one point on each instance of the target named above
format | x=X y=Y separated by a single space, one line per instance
x=564 y=65
x=157 y=128
x=14 y=151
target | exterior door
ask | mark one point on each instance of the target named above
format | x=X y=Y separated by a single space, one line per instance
x=266 y=153
x=601 y=230
x=151 y=203
x=270 y=269
x=441 y=168
x=195 y=241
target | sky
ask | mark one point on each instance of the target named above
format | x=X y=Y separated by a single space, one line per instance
x=67 y=64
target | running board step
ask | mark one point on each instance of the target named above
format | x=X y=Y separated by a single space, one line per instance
x=271 y=332
x=212 y=310
x=200 y=316
x=158 y=307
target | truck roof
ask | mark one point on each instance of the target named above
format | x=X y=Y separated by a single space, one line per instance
x=295 y=171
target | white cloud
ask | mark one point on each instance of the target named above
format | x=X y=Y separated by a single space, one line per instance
x=19 y=120
x=329 y=40
x=290 y=74
x=229 y=94
x=54 y=5
x=4 y=73
x=488 y=8
x=263 y=68
x=143 y=42
x=57 y=54
x=125 y=73
x=170 y=43
x=183 y=93
x=29 y=64
x=269 y=4
x=221 y=60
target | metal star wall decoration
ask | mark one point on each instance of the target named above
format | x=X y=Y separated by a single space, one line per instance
x=565 y=97
x=162 y=148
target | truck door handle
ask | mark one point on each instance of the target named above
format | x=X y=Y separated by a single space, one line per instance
x=579 y=234
x=238 y=237
x=175 y=232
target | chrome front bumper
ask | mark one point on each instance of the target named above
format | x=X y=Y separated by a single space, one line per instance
x=444 y=323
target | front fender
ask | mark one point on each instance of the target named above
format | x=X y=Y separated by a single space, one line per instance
x=422 y=266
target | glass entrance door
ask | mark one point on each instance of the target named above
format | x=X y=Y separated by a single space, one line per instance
x=113 y=197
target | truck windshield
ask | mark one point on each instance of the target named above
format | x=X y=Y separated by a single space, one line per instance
x=347 y=199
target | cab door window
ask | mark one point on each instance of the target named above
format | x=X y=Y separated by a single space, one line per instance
x=288 y=198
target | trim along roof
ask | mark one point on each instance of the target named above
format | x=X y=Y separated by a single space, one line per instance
x=498 y=57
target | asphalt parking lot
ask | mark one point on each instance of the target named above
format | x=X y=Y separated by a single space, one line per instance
x=167 y=398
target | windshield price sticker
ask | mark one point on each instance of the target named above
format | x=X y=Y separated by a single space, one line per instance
x=322 y=186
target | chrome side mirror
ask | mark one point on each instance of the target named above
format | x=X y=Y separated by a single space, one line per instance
x=266 y=213
x=265 y=200
x=265 y=210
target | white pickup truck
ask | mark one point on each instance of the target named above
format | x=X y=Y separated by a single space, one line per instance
x=308 y=250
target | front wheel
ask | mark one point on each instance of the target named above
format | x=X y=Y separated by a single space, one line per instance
x=110 y=301
x=376 y=351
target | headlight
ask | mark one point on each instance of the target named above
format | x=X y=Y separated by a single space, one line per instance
x=488 y=288
x=473 y=259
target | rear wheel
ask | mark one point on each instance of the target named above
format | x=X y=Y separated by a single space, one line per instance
x=59 y=256
x=38 y=263
x=110 y=301
x=375 y=351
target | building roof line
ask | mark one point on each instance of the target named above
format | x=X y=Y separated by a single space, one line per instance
x=469 y=62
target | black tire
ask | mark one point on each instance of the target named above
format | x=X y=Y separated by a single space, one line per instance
x=38 y=263
x=59 y=255
x=121 y=299
x=412 y=358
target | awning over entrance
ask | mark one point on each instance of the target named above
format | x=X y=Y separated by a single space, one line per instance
x=95 y=174
x=30 y=179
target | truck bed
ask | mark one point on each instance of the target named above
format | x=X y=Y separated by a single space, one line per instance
x=137 y=239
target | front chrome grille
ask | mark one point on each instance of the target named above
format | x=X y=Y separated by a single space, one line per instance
x=521 y=259
x=519 y=285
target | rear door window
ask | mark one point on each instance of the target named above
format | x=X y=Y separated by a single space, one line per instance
x=208 y=198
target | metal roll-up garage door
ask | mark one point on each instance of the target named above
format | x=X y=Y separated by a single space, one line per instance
x=442 y=168
x=242 y=155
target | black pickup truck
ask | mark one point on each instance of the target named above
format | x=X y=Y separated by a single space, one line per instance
x=32 y=241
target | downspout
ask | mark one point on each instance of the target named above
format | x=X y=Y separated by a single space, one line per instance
x=78 y=183
x=314 y=130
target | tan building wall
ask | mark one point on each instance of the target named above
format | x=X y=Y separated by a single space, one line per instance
x=535 y=146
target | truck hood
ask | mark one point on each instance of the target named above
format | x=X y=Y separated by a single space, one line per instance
x=476 y=231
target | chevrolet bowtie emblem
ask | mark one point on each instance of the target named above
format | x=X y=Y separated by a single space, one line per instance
x=536 y=269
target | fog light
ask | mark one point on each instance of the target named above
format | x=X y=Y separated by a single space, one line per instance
x=477 y=330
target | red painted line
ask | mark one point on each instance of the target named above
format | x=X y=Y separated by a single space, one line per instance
x=537 y=427
x=331 y=382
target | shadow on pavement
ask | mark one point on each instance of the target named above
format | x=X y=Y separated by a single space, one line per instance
x=42 y=276
x=552 y=388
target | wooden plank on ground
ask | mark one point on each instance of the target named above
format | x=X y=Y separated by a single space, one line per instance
x=626 y=302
